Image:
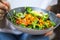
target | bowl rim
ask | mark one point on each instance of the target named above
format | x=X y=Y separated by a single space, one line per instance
x=29 y=28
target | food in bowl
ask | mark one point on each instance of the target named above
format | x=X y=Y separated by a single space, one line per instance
x=32 y=19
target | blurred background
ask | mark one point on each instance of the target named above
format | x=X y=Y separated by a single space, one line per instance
x=56 y=8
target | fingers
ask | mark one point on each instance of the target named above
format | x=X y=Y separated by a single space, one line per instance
x=49 y=33
x=58 y=15
x=2 y=13
x=4 y=6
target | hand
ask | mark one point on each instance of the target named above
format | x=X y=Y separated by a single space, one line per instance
x=49 y=33
x=4 y=7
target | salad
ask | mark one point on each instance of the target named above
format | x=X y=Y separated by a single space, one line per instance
x=32 y=19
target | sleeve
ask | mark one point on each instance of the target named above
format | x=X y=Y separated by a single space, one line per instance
x=54 y=2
